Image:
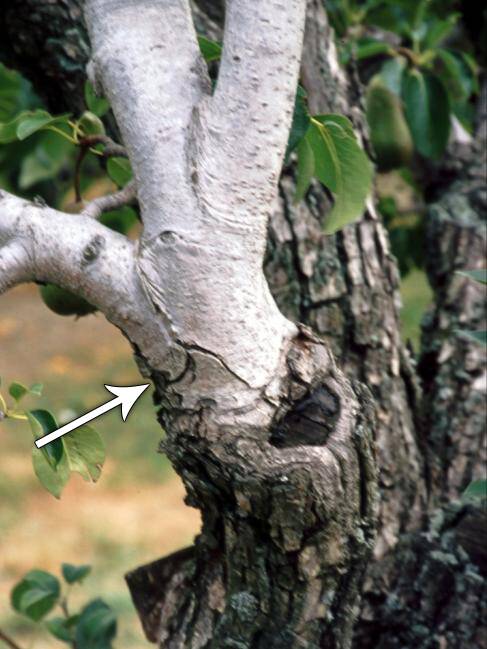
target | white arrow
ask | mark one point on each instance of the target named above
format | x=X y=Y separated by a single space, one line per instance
x=125 y=396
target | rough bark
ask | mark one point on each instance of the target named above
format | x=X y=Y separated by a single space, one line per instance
x=48 y=43
x=436 y=598
x=346 y=287
x=433 y=589
x=452 y=367
x=288 y=518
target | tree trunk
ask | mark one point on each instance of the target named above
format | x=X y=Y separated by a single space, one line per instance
x=453 y=368
x=277 y=433
x=288 y=518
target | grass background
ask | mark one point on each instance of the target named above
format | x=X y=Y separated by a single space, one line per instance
x=135 y=513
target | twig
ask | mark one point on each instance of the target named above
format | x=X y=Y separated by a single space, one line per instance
x=8 y=640
x=97 y=206
x=111 y=148
x=64 y=607
x=77 y=172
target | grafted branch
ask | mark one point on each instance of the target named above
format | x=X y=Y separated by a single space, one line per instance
x=199 y=260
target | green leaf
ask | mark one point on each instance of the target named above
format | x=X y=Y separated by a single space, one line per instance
x=73 y=574
x=342 y=166
x=41 y=423
x=427 y=112
x=457 y=75
x=36 y=594
x=36 y=389
x=119 y=171
x=476 y=490
x=396 y=17
x=17 y=391
x=476 y=336
x=367 y=48
x=121 y=220
x=472 y=66
x=439 y=30
x=97 y=626
x=306 y=168
x=211 y=50
x=97 y=105
x=392 y=72
x=300 y=123
x=339 y=120
x=85 y=452
x=52 y=479
x=8 y=130
x=63 y=628
x=477 y=275
x=38 y=120
x=45 y=161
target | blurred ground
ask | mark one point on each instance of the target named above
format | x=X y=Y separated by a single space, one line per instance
x=136 y=512
x=133 y=515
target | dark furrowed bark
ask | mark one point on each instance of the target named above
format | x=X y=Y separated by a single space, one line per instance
x=346 y=287
x=434 y=592
x=47 y=42
x=288 y=520
x=452 y=366
x=437 y=596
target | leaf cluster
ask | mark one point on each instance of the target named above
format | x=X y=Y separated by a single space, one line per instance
x=423 y=61
x=37 y=595
x=82 y=451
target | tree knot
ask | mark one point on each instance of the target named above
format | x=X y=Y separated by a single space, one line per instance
x=92 y=250
x=310 y=421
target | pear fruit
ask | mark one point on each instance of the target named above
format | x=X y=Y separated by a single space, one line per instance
x=389 y=132
x=65 y=303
